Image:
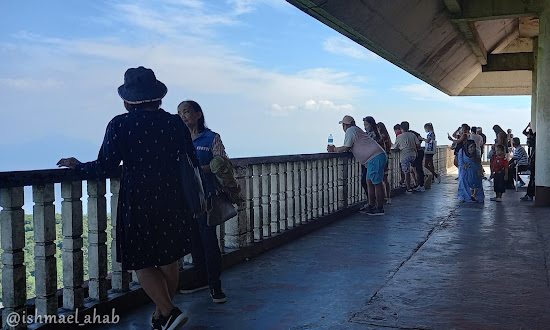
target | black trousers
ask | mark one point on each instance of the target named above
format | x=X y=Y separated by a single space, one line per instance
x=207 y=257
x=419 y=166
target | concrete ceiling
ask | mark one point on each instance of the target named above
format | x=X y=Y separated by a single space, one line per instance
x=461 y=47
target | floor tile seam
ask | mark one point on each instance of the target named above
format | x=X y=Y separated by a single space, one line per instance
x=452 y=213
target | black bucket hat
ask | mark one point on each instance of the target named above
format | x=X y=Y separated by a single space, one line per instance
x=141 y=86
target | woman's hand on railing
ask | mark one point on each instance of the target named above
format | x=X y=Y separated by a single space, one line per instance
x=70 y=162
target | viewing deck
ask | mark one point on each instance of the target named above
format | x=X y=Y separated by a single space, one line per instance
x=429 y=263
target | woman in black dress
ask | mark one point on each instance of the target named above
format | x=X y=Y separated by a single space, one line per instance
x=153 y=225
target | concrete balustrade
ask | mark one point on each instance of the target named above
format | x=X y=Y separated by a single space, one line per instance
x=282 y=194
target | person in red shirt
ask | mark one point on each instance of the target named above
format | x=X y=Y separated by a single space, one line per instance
x=499 y=172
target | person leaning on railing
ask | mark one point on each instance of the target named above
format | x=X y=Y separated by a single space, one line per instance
x=369 y=153
x=153 y=225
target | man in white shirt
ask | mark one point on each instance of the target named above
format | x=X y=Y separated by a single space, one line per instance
x=406 y=143
x=478 y=139
x=371 y=155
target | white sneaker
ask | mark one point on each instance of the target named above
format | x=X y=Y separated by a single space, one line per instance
x=439 y=178
x=408 y=192
x=496 y=199
x=420 y=189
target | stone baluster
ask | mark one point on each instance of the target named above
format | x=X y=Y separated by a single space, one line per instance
x=334 y=184
x=266 y=226
x=314 y=190
x=73 y=256
x=342 y=183
x=351 y=186
x=297 y=189
x=303 y=191
x=44 y=249
x=330 y=185
x=291 y=220
x=325 y=187
x=274 y=203
x=319 y=187
x=236 y=229
x=97 y=237
x=282 y=197
x=309 y=190
x=14 y=272
x=249 y=207
x=360 y=192
x=256 y=199
x=120 y=280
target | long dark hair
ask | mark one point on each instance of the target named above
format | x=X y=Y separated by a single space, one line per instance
x=197 y=108
x=498 y=129
x=373 y=126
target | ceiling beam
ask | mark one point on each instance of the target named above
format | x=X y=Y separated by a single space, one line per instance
x=478 y=10
x=509 y=62
x=507 y=40
x=469 y=31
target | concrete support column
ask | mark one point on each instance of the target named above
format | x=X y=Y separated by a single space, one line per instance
x=534 y=85
x=542 y=178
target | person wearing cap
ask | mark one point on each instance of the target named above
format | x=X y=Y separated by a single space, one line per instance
x=369 y=153
x=153 y=225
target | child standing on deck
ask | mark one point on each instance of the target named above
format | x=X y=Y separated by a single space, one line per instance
x=499 y=171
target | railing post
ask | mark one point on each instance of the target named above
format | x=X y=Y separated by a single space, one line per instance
x=14 y=272
x=342 y=183
x=265 y=201
x=73 y=256
x=121 y=279
x=315 y=190
x=44 y=249
x=326 y=187
x=275 y=227
x=331 y=185
x=97 y=237
x=320 y=187
x=256 y=198
x=249 y=207
x=309 y=190
x=297 y=189
x=335 y=197
x=303 y=202
x=282 y=197
x=291 y=221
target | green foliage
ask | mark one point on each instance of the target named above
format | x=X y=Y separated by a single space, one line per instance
x=29 y=252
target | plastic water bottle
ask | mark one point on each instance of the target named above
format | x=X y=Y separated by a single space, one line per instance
x=330 y=140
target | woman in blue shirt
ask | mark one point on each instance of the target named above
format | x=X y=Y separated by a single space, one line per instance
x=206 y=251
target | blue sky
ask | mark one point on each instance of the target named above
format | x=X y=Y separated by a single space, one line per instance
x=271 y=79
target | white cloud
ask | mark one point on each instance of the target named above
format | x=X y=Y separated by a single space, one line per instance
x=30 y=83
x=310 y=106
x=344 y=46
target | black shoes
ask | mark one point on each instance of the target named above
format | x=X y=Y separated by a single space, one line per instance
x=218 y=296
x=175 y=320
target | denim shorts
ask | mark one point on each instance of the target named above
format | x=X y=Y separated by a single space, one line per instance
x=375 y=168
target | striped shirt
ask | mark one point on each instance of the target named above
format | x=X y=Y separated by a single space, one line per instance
x=520 y=156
